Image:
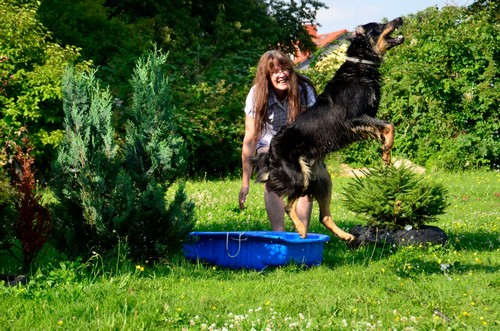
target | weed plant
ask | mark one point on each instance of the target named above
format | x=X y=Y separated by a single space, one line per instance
x=450 y=287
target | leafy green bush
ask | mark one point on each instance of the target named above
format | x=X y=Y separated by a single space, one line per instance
x=106 y=197
x=392 y=198
x=440 y=88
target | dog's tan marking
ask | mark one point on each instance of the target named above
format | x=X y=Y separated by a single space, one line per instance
x=292 y=212
x=367 y=132
x=317 y=171
x=382 y=44
x=388 y=139
x=385 y=135
x=264 y=177
x=330 y=225
x=306 y=171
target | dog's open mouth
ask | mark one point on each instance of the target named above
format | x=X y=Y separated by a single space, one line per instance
x=391 y=28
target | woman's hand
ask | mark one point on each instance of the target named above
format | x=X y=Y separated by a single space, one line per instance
x=243 y=196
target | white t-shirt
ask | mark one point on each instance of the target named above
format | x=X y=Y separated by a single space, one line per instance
x=277 y=113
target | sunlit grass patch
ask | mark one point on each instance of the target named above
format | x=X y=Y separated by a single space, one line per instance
x=449 y=287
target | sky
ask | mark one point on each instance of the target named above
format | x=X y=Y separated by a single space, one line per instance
x=348 y=14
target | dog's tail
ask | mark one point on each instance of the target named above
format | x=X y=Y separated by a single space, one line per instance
x=260 y=165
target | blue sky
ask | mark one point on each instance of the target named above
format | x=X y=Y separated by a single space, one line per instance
x=347 y=14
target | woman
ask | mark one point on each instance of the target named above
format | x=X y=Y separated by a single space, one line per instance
x=278 y=96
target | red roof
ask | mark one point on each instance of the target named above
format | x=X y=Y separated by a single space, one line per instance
x=321 y=40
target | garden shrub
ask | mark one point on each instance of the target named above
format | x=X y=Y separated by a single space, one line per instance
x=210 y=113
x=107 y=197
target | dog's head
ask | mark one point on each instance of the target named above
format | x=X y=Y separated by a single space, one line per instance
x=379 y=35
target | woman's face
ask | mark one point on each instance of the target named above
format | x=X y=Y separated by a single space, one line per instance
x=280 y=78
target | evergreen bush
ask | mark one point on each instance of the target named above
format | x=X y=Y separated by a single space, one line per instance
x=393 y=198
x=108 y=197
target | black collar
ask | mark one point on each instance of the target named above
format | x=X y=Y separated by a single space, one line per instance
x=356 y=60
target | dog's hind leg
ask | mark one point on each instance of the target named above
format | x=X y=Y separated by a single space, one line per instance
x=326 y=220
x=369 y=127
x=323 y=193
x=387 y=136
x=291 y=209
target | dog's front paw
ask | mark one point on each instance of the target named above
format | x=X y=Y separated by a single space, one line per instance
x=302 y=234
x=386 y=157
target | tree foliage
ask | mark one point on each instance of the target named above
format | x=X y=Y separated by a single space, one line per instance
x=31 y=66
x=292 y=16
x=7 y=202
x=441 y=88
x=212 y=46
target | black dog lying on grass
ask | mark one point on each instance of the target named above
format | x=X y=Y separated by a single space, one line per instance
x=344 y=113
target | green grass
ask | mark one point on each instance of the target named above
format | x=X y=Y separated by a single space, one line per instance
x=365 y=289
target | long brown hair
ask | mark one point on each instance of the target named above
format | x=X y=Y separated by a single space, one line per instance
x=262 y=84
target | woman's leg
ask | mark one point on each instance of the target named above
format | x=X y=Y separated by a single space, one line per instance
x=304 y=210
x=275 y=208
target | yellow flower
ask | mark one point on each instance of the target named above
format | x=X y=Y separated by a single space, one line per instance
x=139 y=267
x=60 y=322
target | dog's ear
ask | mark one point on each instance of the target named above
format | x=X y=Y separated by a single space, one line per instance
x=358 y=32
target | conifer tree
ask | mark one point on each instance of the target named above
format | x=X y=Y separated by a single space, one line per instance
x=108 y=197
x=86 y=167
x=392 y=198
x=155 y=157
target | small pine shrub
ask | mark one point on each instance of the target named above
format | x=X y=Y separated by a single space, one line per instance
x=392 y=198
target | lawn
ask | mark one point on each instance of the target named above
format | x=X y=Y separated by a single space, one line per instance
x=454 y=287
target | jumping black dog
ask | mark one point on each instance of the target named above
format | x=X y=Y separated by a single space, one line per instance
x=345 y=112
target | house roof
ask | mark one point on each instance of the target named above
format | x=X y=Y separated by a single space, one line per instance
x=321 y=41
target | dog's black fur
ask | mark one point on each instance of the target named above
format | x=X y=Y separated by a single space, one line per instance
x=344 y=113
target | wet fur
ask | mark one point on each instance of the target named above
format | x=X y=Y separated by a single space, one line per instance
x=345 y=112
